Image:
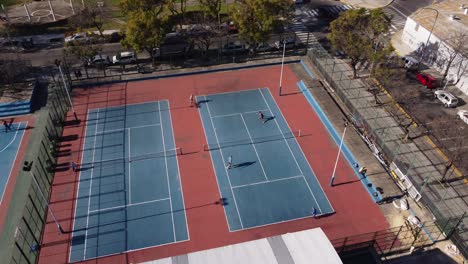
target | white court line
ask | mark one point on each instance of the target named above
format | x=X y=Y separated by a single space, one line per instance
x=122 y=129
x=253 y=145
x=232 y=92
x=222 y=156
x=129 y=169
x=128 y=205
x=287 y=143
x=90 y=187
x=77 y=189
x=256 y=111
x=11 y=142
x=167 y=172
x=178 y=172
x=124 y=105
x=11 y=169
x=269 y=181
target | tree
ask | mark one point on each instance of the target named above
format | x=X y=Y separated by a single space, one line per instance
x=255 y=18
x=92 y=15
x=211 y=8
x=144 y=31
x=82 y=52
x=456 y=47
x=359 y=34
x=146 y=25
x=178 y=8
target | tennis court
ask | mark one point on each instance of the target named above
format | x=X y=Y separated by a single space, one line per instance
x=270 y=180
x=10 y=142
x=129 y=194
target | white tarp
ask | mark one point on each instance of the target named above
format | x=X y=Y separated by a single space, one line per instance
x=304 y=247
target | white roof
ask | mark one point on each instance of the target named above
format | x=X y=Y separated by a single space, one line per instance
x=309 y=246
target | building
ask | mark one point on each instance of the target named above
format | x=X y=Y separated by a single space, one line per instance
x=438 y=36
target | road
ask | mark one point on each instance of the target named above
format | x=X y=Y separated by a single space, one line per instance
x=401 y=9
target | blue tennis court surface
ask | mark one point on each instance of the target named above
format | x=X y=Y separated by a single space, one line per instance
x=10 y=142
x=129 y=194
x=270 y=180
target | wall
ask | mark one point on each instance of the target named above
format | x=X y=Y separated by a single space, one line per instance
x=415 y=36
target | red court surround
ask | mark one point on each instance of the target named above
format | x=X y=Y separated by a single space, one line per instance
x=356 y=213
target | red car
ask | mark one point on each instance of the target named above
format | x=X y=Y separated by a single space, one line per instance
x=427 y=80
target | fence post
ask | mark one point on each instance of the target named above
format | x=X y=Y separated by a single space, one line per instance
x=456 y=226
x=395 y=239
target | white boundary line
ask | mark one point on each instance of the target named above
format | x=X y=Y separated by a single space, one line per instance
x=290 y=150
x=253 y=145
x=222 y=156
x=178 y=171
x=129 y=168
x=127 y=205
x=123 y=129
x=263 y=182
x=232 y=92
x=249 y=112
x=90 y=187
x=16 y=155
x=11 y=142
x=312 y=169
x=167 y=172
x=212 y=164
x=123 y=105
x=78 y=187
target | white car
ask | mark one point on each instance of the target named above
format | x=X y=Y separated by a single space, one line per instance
x=463 y=115
x=78 y=37
x=126 y=57
x=448 y=99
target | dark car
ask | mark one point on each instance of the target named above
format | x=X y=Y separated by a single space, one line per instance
x=234 y=48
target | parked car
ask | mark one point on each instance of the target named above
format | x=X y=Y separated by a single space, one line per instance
x=290 y=43
x=173 y=45
x=410 y=63
x=262 y=47
x=77 y=37
x=99 y=61
x=448 y=99
x=125 y=57
x=427 y=80
x=234 y=48
x=463 y=115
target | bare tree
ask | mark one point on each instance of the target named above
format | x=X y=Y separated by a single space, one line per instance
x=452 y=50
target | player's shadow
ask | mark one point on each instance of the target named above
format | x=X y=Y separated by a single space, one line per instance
x=269 y=118
x=203 y=101
x=244 y=164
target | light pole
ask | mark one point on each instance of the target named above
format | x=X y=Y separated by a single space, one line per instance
x=339 y=152
x=57 y=62
x=430 y=33
x=282 y=66
x=27 y=168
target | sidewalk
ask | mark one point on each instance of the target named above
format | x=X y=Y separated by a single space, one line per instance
x=371 y=4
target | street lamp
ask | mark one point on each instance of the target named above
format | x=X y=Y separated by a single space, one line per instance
x=339 y=152
x=430 y=33
x=282 y=66
x=27 y=168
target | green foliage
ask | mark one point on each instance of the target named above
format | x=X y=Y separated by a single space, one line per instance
x=211 y=8
x=360 y=34
x=153 y=6
x=255 y=18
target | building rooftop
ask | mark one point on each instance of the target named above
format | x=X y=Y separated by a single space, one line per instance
x=445 y=26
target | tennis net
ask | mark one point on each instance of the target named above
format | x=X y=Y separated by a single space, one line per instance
x=248 y=141
x=153 y=155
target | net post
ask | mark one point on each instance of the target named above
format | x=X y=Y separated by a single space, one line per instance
x=299 y=134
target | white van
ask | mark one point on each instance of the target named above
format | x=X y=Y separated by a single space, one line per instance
x=411 y=63
x=126 y=57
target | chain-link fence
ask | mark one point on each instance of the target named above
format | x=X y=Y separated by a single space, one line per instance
x=196 y=55
x=27 y=212
x=396 y=240
x=412 y=166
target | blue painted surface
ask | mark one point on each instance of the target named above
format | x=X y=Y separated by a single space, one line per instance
x=190 y=73
x=15 y=108
x=337 y=138
x=271 y=180
x=10 y=142
x=129 y=194
x=307 y=69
